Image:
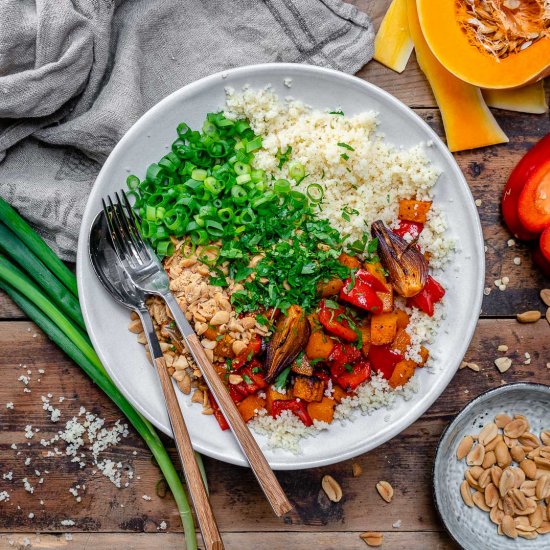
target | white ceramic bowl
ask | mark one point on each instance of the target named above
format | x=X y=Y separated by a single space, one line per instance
x=472 y=528
x=149 y=139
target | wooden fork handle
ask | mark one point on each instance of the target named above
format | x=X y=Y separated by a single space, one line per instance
x=258 y=463
x=195 y=486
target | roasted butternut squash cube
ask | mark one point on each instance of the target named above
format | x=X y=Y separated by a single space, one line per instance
x=383 y=328
x=323 y=410
x=349 y=261
x=338 y=393
x=330 y=288
x=308 y=388
x=301 y=365
x=413 y=210
x=365 y=336
x=424 y=354
x=273 y=395
x=402 y=341
x=249 y=406
x=402 y=373
x=319 y=346
x=402 y=318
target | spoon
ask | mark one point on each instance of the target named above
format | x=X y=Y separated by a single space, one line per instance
x=111 y=274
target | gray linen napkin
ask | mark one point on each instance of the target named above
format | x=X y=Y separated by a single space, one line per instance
x=76 y=74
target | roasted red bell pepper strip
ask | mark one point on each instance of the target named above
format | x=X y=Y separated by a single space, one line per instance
x=412 y=228
x=296 y=407
x=342 y=355
x=359 y=374
x=253 y=381
x=383 y=359
x=217 y=413
x=361 y=290
x=238 y=392
x=331 y=319
x=428 y=296
x=534 y=163
x=249 y=352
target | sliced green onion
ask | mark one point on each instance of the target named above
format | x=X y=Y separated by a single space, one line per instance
x=213 y=185
x=315 y=192
x=254 y=144
x=165 y=248
x=239 y=194
x=243 y=178
x=242 y=168
x=296 y=171
x=225 y=214
x=282 y=187
x=199 y=174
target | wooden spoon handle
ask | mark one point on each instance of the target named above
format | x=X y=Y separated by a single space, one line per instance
x=258 y=463
x=205 y=516
x=195 y=486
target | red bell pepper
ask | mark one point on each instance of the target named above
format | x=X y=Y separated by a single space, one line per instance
x=342 y=355
x=249 y=352
x=427 y=297
x=360 y=373
x=383 y=359
x=361 y=291
x=238 y=392
x=253 y=381
x=412 y=228
x=217 y=413
x=331 y=319
x=296 y=407
x=519 y=204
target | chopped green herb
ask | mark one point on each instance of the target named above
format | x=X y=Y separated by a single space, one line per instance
x=283 y=157
x=262 y=320
x=348 y=367
x=345 y=146
x=256 y=370
x=280 y=381
x=344 y=156
x=250 y=355
x=339 y=112
x=247 y=379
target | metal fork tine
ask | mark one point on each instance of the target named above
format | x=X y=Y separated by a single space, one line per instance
x=129 y=236
x=131 y=217
x=117 y=245
x=123 y=241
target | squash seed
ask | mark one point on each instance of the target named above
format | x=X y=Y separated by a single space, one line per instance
x=545 y=296
x=385 y=490
x=332 y=488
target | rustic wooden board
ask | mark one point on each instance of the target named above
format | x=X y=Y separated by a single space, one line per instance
x=236 y=498
x=233 y=541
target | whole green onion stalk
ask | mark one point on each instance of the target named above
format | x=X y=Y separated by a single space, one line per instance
x=51 y=313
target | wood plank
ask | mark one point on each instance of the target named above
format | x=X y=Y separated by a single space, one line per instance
x=395 y=540
x=236 y=498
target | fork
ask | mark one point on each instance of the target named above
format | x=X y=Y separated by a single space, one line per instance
x=147 y=273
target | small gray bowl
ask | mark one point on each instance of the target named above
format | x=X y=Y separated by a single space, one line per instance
x=471 y=528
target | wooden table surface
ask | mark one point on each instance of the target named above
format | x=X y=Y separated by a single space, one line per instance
x=108 y=517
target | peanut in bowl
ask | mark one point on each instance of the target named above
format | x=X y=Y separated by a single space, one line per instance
x=491 y=477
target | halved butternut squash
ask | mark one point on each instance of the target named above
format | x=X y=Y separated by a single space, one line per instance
x=393 y=44
x=499 y=44
x=528 y=99
x=467 y=120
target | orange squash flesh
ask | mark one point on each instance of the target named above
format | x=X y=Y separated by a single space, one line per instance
x=467 y=120
x=528 y=99
x=393 y=44
x=467 y=61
